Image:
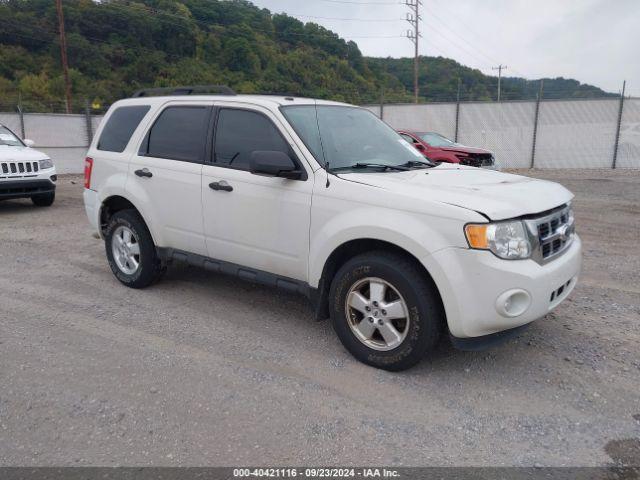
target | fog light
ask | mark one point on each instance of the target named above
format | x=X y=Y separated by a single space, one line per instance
x=513 y=303
x=53 y=178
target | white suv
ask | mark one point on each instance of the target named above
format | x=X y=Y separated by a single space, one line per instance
x=25 y=172
x=325 y=199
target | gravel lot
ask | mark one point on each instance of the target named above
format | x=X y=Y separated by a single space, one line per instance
x=206 y=370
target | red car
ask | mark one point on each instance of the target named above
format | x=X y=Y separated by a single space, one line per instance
x=440 y=149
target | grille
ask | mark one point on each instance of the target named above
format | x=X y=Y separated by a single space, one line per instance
x=19 y=169
x=553 y=233
x=28 y=189
x=557 y=293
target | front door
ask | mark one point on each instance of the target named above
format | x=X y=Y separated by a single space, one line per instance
x=252 y=220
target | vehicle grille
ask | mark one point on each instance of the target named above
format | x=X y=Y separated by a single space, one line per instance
x=18 y=169
x=477 y=160
x=553 y=233
x=557 y=293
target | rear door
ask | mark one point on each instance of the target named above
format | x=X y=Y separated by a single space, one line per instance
x=167 y=171
x=255 y=221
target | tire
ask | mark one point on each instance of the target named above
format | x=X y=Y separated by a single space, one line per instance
x=148 y=267
x=403 y=281
x=44 y=199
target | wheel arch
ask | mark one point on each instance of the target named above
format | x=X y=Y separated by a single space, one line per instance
x=116 y=203
x=349 y=249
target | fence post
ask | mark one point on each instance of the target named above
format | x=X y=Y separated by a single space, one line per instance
x=382 y=103
x=87 y=118
x=535 y=124
x=455 y=139
x=615 y=147
x=21 y=113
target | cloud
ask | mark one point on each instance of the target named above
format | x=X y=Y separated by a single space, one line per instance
x=593 y=41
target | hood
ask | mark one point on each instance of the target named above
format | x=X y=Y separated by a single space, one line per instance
x=495 y=194
x=20 y=154
x=463 y=149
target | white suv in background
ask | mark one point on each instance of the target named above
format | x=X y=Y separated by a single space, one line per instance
x=25 y=172
x=325 y=199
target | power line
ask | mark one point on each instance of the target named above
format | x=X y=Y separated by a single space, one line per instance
x=456 y=44
x=349 y=19
x=456 y=34
x=468 y=28
x=361 y=3
x=155 y=11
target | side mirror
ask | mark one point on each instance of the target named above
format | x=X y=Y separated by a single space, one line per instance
x=420 y=147
x=273 y=164
x=29 y=143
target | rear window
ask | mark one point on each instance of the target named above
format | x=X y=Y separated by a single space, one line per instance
x=120 y=126
x=179 y=133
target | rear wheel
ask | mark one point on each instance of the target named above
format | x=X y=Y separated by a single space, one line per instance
x=385 y=311
x=44 y=199
x=130 y=250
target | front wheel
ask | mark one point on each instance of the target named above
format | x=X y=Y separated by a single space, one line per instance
x=385 y=310
x=130 y=250
x=43 y=199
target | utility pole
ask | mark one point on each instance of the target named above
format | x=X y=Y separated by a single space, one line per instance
x=63 y=54
x=414 y=35
x=457 y=110
x=535 y=123
x=499 y=68
x=620 y=109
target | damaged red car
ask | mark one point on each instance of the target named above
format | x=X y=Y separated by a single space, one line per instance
x=440 y=149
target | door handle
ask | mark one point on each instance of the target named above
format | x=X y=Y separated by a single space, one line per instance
x=144 y=173
x=221 y=185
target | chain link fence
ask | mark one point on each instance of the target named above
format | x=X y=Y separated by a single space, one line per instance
x=595 y=133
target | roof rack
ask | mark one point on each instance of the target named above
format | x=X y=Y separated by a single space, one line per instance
x=187 y=90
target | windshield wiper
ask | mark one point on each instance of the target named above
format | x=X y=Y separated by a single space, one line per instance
x=417 y=163
x=372 y=165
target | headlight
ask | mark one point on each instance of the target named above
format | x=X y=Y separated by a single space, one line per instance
x=508 y=240
x=45 y=163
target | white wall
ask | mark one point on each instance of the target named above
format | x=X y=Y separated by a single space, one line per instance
x=62 y=137
x=571 y=133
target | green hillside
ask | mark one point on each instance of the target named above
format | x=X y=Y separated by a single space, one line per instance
x=116 y=47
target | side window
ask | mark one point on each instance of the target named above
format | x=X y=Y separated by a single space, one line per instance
x=240 y=132
x=179 y=133
x=408 y=138
x=120 y=126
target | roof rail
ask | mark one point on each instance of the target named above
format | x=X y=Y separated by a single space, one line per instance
x=187 y=90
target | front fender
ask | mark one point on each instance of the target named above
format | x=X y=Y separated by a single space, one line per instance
x=412 y=232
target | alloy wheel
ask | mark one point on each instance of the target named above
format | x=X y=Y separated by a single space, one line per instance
x=377 y=314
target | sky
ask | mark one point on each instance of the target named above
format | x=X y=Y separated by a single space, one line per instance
x=593 y=41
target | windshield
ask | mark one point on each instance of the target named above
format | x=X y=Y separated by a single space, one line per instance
x=8 y=138
x=437 y=140
x=345 y=136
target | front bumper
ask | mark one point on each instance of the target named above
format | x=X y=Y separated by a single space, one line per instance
x=474 y=286
x=25 y=188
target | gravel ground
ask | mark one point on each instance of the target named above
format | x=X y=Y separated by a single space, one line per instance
x=202 y=369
